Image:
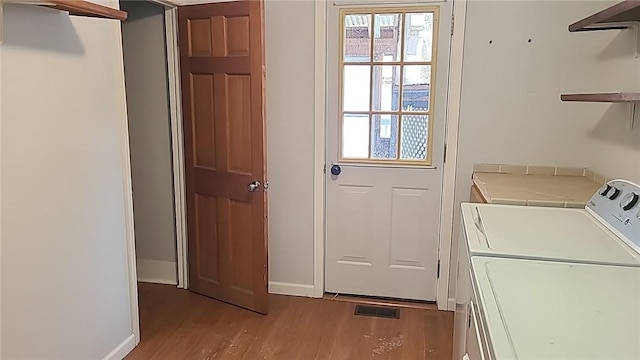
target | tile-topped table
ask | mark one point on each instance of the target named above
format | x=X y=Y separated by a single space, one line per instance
x=536 y=185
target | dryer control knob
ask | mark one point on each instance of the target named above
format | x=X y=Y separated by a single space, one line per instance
x=629 y=201
x=614 y=194
x=605 y=190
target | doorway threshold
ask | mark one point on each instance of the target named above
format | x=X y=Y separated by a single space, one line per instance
x=381 y=301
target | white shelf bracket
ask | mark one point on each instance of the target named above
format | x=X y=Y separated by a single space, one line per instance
x=629 y=25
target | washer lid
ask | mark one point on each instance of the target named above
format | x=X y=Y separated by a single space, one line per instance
x=551 y=310
x=543 y=233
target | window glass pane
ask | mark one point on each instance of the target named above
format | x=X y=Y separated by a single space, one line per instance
x=357 y=38
x=386 y=84
x=384 y=138
x=355 y=136
x=415 y=87
x=418 y=37
x=414 y=131
x=356 y=87
x=386 y=40
x=389 y=90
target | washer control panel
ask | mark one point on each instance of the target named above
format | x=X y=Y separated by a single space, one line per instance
x=618 y=204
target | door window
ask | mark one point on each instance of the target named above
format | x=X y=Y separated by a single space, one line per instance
x=387 y=70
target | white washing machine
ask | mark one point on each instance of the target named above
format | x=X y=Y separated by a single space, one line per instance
x=532 y=309
x=528 y=273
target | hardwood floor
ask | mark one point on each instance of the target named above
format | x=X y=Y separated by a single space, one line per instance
x=178 y=324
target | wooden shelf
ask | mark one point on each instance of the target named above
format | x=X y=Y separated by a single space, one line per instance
x=603 y=97
x=615 y=17
x=86 y=8
x=74 y=7
x=77 y=8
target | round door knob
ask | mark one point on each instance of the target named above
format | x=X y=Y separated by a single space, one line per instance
x=336 y=170
x=253 y=186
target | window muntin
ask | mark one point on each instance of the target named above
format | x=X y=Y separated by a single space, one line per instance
x=386 y=74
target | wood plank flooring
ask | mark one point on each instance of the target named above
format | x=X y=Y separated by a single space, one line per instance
x=178 y=324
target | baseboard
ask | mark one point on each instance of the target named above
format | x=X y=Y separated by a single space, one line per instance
x=157 y=272
x=123 y=349
x=282 y=288
x=451 y=304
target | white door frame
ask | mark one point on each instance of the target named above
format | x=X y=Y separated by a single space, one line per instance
x=451 y=142
x=319 y=186
x=177 y=147
x=447 y=221
x=177 y=139
x=173 y=72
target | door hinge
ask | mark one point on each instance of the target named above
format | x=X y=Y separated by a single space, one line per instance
x=324 y=169
x=445 y=154
x=453 y=21
x=438 y=270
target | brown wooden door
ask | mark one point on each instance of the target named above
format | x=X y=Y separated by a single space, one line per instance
x=221 y=60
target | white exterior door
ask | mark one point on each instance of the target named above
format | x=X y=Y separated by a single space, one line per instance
x=386 y=103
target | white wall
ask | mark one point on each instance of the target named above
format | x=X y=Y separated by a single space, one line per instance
x=614 y=148
x=65 y=290
x=289 y=33
x=145 y=65
x=510 y=110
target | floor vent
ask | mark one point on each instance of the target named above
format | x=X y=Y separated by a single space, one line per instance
x=377 y=311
